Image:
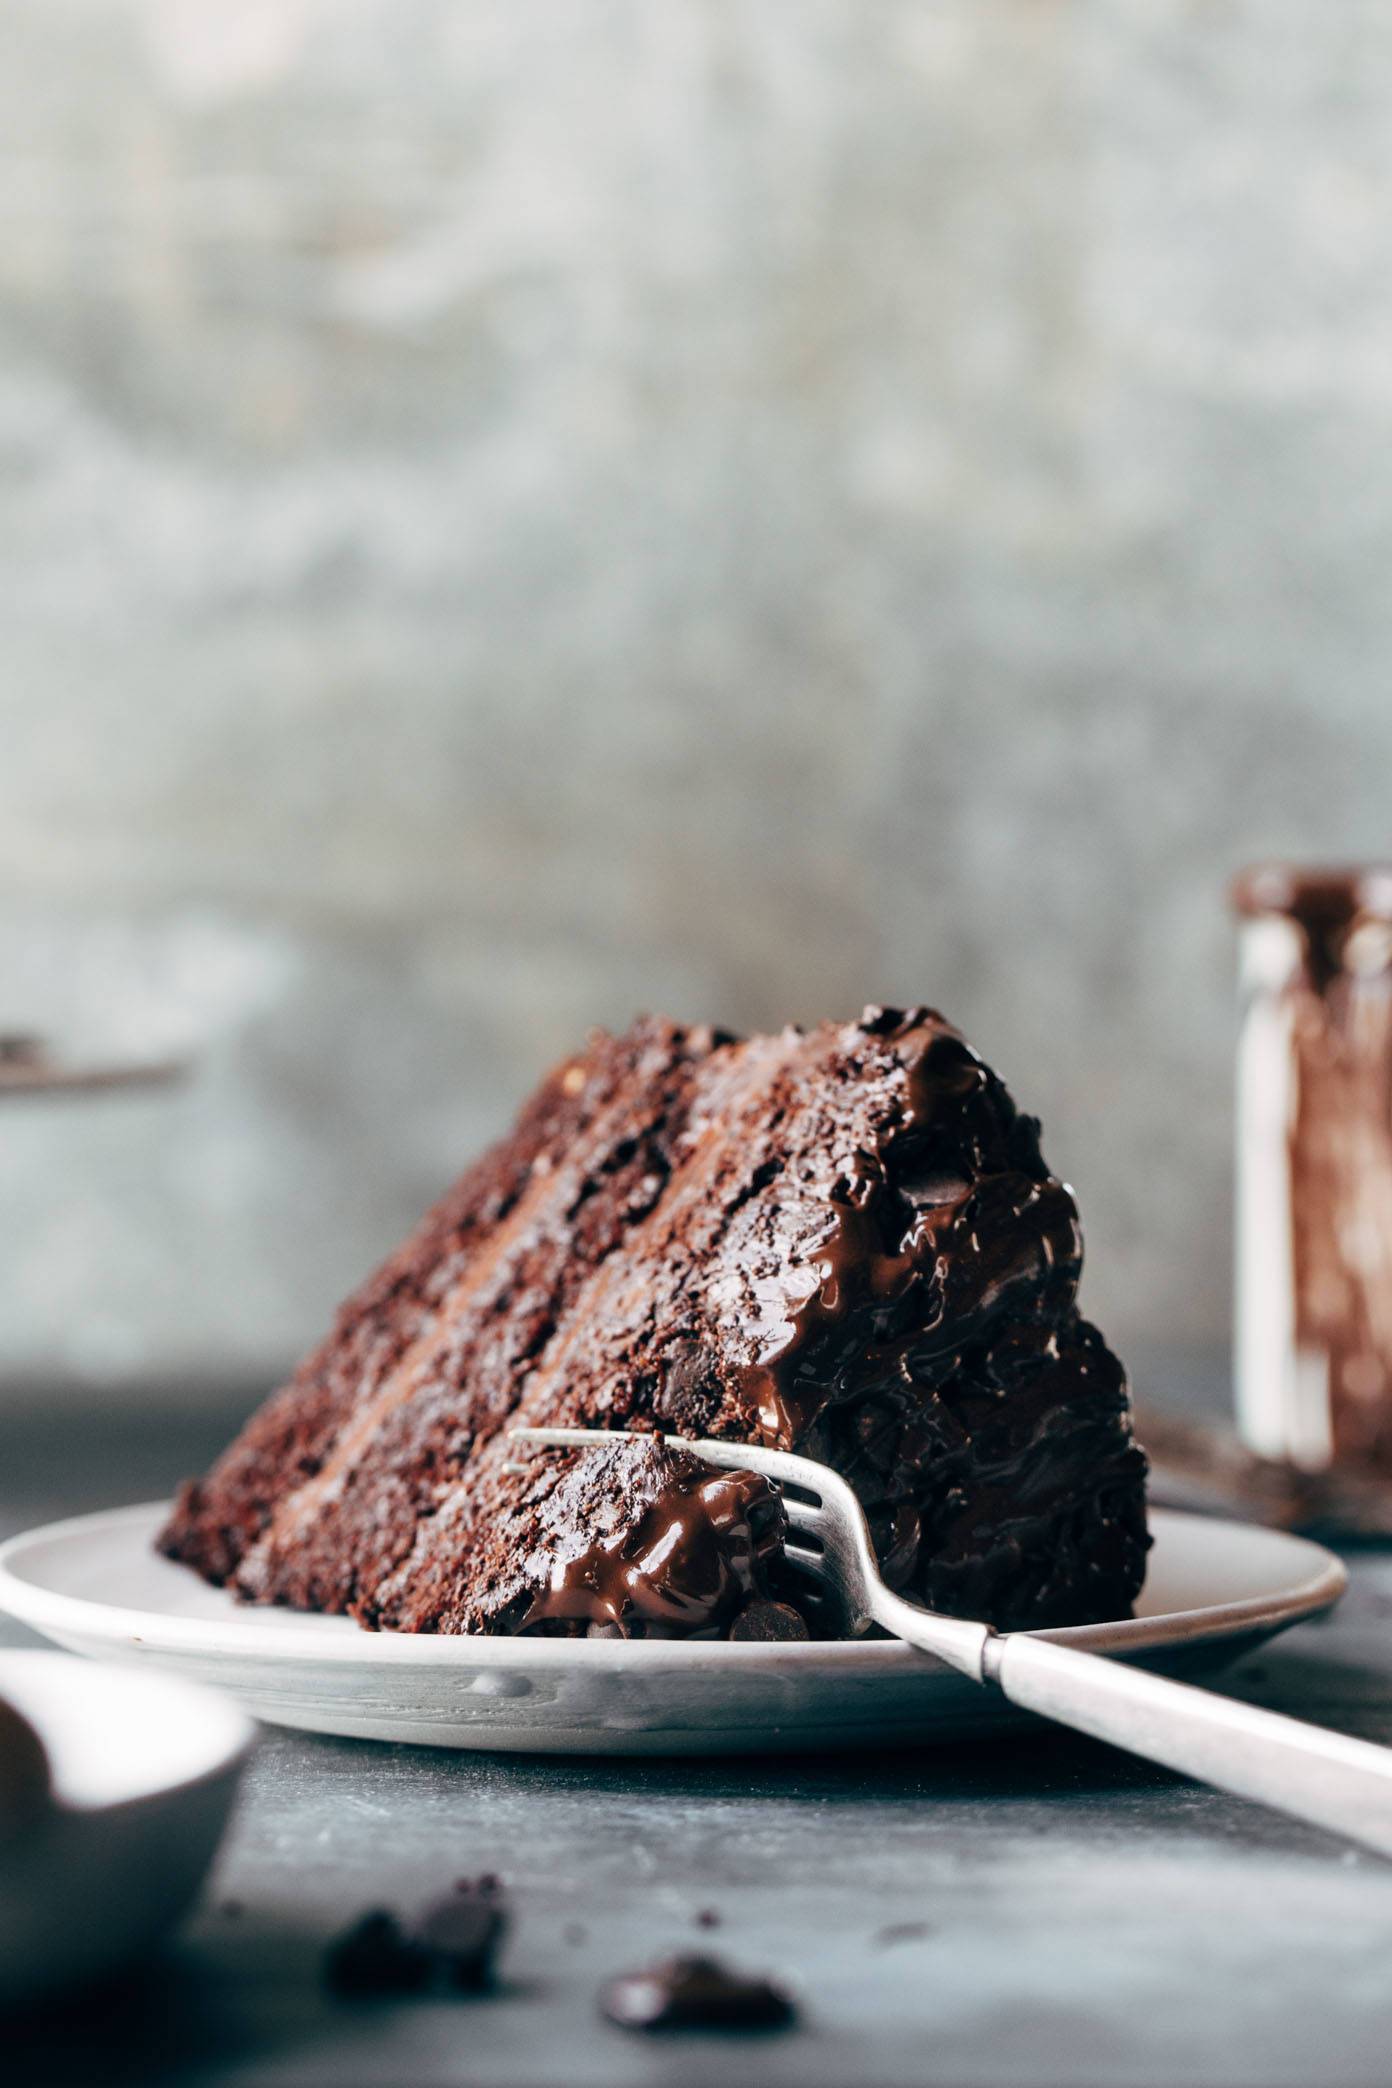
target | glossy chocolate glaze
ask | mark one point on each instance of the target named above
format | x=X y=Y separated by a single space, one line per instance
x=689 y=1568
x=451 y=1947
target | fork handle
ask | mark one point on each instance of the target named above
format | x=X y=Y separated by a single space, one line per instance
x=1340 y=1784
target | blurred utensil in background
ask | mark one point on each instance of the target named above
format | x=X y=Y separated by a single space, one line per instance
x=31 y=1065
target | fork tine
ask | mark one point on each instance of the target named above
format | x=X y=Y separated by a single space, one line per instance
x=730 y=1456
x=802 y=1515
x=560 y=1437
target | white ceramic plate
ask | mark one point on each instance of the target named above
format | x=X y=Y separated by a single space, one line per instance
x=96 y=1585
x=143 y=1770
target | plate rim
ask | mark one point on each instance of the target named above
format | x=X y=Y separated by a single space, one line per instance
x=55 y=1614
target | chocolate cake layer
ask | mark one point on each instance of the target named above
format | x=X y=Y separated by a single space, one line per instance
x=843 y=1241
x=476 y=1290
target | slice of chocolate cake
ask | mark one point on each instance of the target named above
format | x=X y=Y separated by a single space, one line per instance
x=842 y=1241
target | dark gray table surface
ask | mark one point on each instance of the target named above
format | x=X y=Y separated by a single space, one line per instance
x=1031 y=1910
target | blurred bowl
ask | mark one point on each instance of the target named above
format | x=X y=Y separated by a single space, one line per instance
x=144 y=1769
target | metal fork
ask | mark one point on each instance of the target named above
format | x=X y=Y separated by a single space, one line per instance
x=1338 y=1783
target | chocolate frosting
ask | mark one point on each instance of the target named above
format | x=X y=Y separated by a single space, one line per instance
x=923 y=1346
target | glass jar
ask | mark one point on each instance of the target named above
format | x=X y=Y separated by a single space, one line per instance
x=1314 y=1167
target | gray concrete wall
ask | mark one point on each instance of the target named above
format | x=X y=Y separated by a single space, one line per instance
x=519 y=512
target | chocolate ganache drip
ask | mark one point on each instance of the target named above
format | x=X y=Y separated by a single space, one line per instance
x=690 y=1567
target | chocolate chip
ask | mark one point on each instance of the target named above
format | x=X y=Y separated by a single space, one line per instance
x=707 y=1917
x=453 y=1943
x=373 y=1959
x=695 y=1993
x=461 y=1934
x=681 y=1397
x=761 y=1619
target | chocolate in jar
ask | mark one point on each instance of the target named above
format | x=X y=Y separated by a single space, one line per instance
x=1314 y=1166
